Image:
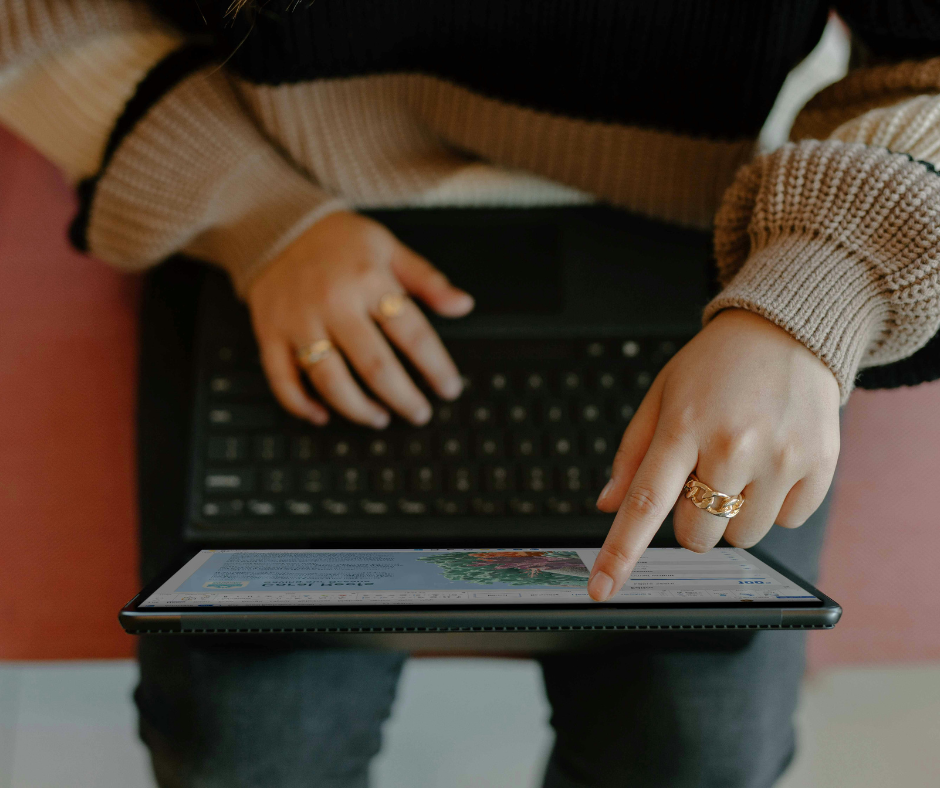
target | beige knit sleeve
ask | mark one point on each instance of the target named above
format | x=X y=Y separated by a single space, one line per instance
x=195 y=174
x=836 y=237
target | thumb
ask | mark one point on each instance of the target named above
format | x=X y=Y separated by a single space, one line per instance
x=424 y=281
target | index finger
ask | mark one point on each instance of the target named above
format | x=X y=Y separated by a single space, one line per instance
x=653 y=492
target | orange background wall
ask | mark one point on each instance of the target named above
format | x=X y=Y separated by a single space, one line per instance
x=67 y=518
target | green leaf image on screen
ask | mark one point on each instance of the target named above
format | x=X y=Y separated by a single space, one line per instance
x=518 y=568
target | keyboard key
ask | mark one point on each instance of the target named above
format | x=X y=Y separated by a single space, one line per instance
x=450 y=506
x=335 y=507
x=519 y=414
x=630 y=349
x=299 y=508
x=599 y=445
x=570 y=382
x=499 y=383
x=489 y=446
x=416 y=447
x=315 y=480
x=424 y=479
x=225 y=354
x=269 y=448
x=535 y=478
x=276 y=480
x=372 y=507
x=562 y=444
x=304 y=449
x=525 y=506
x=232 y=507
x=663 y=351
x=487 y=506
x=595 y=350
x=624 y=412
x=386 y=480
x=247 y=417
x=526 y=445
x=482 y=415
x=498 y=478
x=607 y=381
x=453 y=446
x=220 y=384
x=573 y=478
x=237 y=384
x=379 y=449
x=352 y=480
x=590 y=413
x=561 y=506
x=461 y=479
x=446 y=414
x=263 y=507
x=643 y=379
x=534 y=382
x=409 y=506
x=230 y=480
x=554 y=411
x=342 y=449
x=228 y=449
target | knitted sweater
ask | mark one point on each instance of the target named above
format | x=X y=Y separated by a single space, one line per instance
x=227 y=135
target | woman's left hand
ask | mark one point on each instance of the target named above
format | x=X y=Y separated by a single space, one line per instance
x=751 y=411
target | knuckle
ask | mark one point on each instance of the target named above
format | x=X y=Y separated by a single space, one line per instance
x=644 y=501
x=694 y=541
x=736 y=445
x=337 y=297
x=684 y=421
x=787 y=459
x=370 y=277
x=420 y=340
x=618 y=555
x=374 y=370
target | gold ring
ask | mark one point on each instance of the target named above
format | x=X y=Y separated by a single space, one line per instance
x=391 y=304
x=713 y=502
x=315 y=352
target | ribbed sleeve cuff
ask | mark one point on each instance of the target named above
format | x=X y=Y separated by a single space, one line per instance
x=838 y=244
x=193 y=173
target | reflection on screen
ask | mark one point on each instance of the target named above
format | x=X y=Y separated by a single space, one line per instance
x=251 y=578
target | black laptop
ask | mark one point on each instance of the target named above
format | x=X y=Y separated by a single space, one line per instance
x=577 y=310
x=484 y=521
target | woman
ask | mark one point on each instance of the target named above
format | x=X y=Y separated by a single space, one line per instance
x=247 y=136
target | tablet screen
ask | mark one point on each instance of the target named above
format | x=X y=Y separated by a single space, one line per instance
x=510 y=576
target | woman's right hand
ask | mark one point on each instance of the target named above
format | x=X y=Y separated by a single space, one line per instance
x=327 y=285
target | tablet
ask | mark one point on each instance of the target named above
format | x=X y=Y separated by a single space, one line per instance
x=469 y=590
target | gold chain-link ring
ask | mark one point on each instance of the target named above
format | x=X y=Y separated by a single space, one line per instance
x=391 y=304
x=315 y=352
x=713 y=502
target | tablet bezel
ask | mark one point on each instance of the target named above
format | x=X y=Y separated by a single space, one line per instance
x=474 y=618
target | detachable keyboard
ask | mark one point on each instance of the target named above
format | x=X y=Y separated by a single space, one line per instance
x=577 y=310
x=532 y=437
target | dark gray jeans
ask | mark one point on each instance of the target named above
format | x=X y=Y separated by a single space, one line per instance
x=677 y=710
x=662 y=710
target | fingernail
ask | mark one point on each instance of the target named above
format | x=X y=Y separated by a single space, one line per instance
x=452 y=388
x=380 y=420
x=466 y=301
x=605 y=492
x=600 y=586
x=422 y=415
